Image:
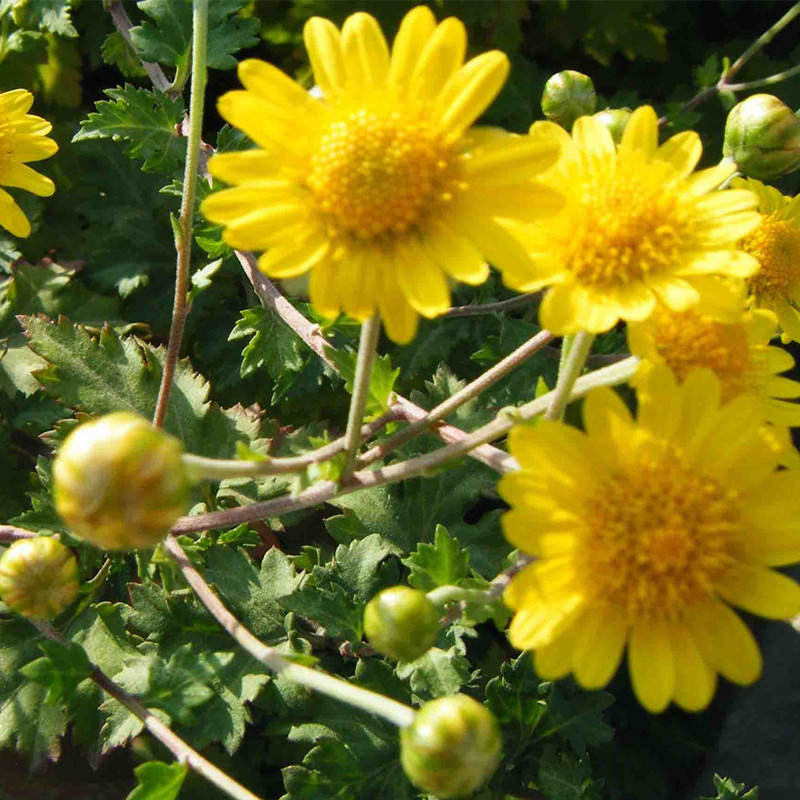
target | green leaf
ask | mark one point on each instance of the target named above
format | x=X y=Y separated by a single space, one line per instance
x=381 y=382
x=562 y=776
x=60 y=671
x=728 y=789
x=117 y=52
x=436 y=674
x=51 y=16
x=168 y=38
x=145 y=119
x=513 y=695
x=158 y=781
x=273 y=346
x=331 y=606
x=113 y=374
x=577 y=716
x=442 y=563
x=357 y=566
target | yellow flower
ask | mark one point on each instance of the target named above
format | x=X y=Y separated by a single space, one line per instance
x=380 y=188
x=23 y=138
x=775 y=244
x=646 y=532
x=738 y=353
x=637 y=227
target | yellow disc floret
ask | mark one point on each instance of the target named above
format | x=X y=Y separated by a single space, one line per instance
x=775 y=243
x=374 y=174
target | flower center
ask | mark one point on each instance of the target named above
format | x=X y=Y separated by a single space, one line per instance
x=626 y=226
x=775 y=244
x=659 y=538
x=375 y=175
x=687 y=341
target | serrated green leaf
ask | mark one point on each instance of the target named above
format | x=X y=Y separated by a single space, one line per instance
x=728 y=789
x=513 y=696
x=381 y=382
x=168 y=38
x=158 y=781
x=113 y=374
x=52 y=16
x=60 y=671
x=331 y=606
x=442 y=563
x=145 y=119
x=577 y=716
x=357 y=565
x=436 y=674
x=117 y=52
x=273 y=346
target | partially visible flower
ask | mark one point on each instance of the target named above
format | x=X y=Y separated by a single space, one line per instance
x=775 y=244
x=381 y=190
x=738 y=353
x=23 y=138
x=762 y=135
x=646 y=532
x=568 y=95
x=638 y=227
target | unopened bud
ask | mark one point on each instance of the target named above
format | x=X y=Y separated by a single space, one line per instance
x=615 y=119
x=762 y=135
x=452 y=747
x=119 y=482
x=38 y=577
x=400 y=622
x=568 y=95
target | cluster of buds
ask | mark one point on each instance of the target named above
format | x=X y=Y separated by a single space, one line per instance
x=119 y=482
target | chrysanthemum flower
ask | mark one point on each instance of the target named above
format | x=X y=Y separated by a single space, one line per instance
x=637 y=227
x=775 y=244
x=738 y=353
x=381 y=190
x=23 y=138
x=646 y=533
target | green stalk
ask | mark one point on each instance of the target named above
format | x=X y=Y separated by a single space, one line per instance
x=183 y=242
x=569 y=369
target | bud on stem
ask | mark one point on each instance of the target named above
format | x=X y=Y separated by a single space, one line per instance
x=401 y=622
x=568 y=95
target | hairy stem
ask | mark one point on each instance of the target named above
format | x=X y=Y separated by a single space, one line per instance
x=370 y=330
x=183 y=243
x=568 y=372
x=180 y=749
x=776 y=78
x=372 y=702
x=492 y=308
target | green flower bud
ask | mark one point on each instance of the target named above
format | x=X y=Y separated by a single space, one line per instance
x=401 y=623
x=615 y=119
x=762 y=135
x=452 y=747
x=38 y=577
x=119 y=482
x=568 y=95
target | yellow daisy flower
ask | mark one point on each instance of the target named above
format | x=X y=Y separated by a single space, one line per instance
x=738 y=353
x=380 y=188
x=23 y=138
x=775 y=244
x=637 y=227
x=646 y=533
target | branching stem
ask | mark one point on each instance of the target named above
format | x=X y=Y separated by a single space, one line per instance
x=183 y=243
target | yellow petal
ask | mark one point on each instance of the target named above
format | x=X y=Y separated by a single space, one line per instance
x=273 y=85
x=568 y=308
x=641 y=133
x=470 y=91
x=652 y=665
x=324 y=47
x=526 y=203
x=707 y=180
x=600 y=638
x=725 y=641
x=675 y=293
x=592 y=138
x=760 y=591
x=539 y=625
x=416 y=29
x=12 y=218
x=33 y=148
x=399 y=318
x=422 y=281
x=366 y=53
x=291 y=260
x=442 y=56
x=681 y=152
x=323 y=289
x=260 y=228
x=23 y=177
x=248 y=166
x=510 y=160
x=15 y=103
x=358 y=284
x=456 y=255
x=554 y=661
x=695 y=681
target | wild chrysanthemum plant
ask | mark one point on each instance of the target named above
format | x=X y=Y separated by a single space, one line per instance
x=639 y=227
x=381 y=189
x=645 y=532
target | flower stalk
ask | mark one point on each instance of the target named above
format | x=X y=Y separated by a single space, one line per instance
x=577 y=351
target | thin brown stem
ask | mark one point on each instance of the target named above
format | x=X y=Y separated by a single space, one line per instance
x=492 y=308
x=180 y=749
x=8 y=533
x=183 y=242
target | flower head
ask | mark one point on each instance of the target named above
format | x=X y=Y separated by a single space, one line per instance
x=637 y=227
x=775 y=244
x=738 y=353
x=646 y=532
x=380 y=190
x=23 y=138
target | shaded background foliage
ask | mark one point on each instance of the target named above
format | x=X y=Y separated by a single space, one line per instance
x=102 y=253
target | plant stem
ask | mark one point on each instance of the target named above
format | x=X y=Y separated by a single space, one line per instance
x=180 y=749
x=9 y=533
x=568 y=373
x=183 y=243
x=370 y=330
x=464 y=395
x=367 y=479
x=776 y=78
x=493 y=308
x=443 y=595
x=372 y=702
x=218 y=469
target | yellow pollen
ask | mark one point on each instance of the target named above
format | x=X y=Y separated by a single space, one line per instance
x=687 y=341
x=626 y=227
x=658 y=539
x=378 y=175
x=775 y=244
